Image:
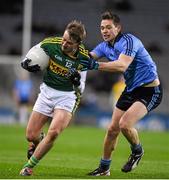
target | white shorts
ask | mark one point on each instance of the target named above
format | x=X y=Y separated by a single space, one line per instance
x=50 y=99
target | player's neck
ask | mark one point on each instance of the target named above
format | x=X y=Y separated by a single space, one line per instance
x=72 y=54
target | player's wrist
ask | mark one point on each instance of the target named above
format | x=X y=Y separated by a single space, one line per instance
x=96 y=66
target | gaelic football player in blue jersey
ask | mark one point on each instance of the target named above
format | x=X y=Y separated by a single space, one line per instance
x=125 y=53
x=60 y=92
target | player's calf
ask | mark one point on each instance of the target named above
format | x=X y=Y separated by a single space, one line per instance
x=32 y=146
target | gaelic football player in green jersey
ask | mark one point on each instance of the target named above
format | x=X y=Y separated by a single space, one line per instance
x=60 y=92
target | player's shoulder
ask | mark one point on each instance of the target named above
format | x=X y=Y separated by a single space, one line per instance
x=129 y=37
x=83 y=51
x=102 y=46
x=52 y=40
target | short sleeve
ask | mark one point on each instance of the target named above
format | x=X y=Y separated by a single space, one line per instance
x=99 y=50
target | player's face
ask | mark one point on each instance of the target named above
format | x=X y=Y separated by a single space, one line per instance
x=68 y=45
x=108 y=30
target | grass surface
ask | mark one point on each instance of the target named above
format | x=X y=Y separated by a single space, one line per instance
x=78 y=150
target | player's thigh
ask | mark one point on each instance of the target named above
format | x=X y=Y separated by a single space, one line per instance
x=36 y=122
x=60 y=120
x=136 y=111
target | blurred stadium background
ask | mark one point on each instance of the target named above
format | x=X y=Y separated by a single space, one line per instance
x=24 y=23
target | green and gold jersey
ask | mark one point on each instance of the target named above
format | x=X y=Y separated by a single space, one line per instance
x=59 y=63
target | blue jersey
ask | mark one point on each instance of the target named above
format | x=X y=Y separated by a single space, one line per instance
x=141 y=71
x=24 y=89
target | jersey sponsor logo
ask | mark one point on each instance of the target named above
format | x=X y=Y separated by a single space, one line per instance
x=58 y=57
x=56 y=68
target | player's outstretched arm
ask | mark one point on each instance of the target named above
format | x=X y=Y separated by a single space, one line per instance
x=89 y=64
x=119 y=65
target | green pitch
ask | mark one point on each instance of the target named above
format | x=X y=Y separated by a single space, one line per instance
x=78 y=150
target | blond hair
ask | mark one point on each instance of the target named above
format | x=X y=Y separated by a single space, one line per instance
x=76 y=31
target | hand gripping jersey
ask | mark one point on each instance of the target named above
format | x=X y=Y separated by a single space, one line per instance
x=141 y=71
x=59 y=64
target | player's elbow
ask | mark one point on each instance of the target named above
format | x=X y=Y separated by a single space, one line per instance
x=122 y=68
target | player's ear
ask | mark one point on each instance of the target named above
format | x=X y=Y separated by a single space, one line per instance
x=118 y=27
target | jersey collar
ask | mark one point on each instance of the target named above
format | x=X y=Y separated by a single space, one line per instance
x=117 y=38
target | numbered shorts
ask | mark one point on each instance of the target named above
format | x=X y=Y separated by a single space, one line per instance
x=50 y=99
x=150 y=96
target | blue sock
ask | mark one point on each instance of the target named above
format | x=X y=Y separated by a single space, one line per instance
x=136 y=149
x=105 y=164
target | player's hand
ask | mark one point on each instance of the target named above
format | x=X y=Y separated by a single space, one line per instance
x=89 y=64
x=31 y=68
x=74 y=76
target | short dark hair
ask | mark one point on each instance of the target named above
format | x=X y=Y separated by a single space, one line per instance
x=76 y=31
x=109 y=15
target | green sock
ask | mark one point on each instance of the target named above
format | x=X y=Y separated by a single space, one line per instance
x=32 y=162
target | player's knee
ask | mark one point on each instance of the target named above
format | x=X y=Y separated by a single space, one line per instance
x=113 y=132
x=123 y=125
x=31 y=136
